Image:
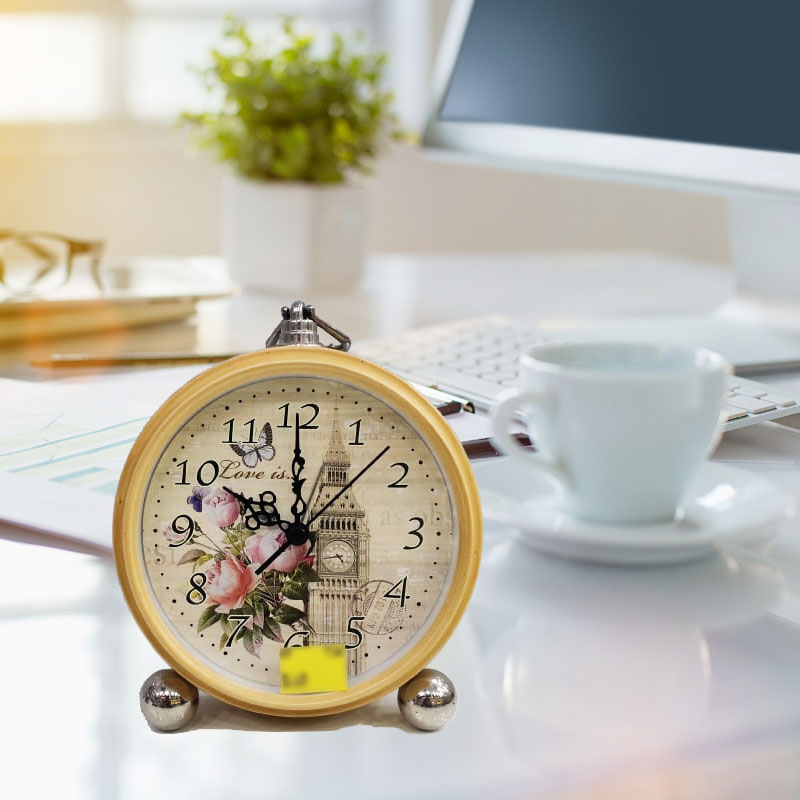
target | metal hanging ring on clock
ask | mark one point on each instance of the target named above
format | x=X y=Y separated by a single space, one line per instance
x=298 y=326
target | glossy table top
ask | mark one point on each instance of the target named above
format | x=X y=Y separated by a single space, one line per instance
x=574 y=680
x=567 y=674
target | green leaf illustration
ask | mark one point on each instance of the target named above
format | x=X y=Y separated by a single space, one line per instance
x=295 y=590
x=286 y=615
x=272 y=630
x=208 y=618
x=202 y=560
x=191 y=555
x=233 y=542
x=272 y=583
x=252 y=641
x=306 y=574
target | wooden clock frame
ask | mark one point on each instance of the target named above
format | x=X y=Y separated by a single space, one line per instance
x=294 y=361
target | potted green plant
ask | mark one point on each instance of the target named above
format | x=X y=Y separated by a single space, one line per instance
x=294 y=125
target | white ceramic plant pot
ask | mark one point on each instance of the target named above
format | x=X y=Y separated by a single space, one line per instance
x=294 y=237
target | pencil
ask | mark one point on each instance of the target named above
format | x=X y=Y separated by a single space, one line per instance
x=483 y=448
x=60 y=360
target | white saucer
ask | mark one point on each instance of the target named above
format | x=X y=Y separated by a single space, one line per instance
x=722 y=504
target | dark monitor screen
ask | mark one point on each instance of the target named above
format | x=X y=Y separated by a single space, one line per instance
x=724 y=72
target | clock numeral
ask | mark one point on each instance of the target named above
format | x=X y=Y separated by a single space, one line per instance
x=308 y=424
x=351 y=628
x=182 y=481
x=201 y=472
x=416 y=532
x=197 y=581
x=401 y=595
x=302 y=634
x=397 y=483
x=242 y=621
x=357 y=436
x=214 y=469
x=187 y=528
x=251 y=431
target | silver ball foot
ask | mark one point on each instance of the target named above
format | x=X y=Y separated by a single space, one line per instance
x=428 y=701
x=167 y=701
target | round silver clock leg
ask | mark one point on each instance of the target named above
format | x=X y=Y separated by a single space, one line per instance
x=428 y=701
x=167 y=701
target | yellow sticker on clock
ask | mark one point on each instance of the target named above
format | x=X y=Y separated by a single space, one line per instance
x=316 y=668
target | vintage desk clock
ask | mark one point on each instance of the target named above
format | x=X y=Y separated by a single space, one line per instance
x=297 y=532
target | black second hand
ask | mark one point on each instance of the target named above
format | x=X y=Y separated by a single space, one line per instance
x=346 y=486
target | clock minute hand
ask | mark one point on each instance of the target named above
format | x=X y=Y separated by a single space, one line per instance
x=299 y=506
x=347 y=485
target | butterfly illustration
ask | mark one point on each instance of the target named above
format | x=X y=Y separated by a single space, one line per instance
x=253 y=452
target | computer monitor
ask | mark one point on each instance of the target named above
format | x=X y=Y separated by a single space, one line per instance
x=699 y=95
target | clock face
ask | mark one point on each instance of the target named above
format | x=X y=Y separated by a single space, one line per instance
x=292 y=511
x=338 y=556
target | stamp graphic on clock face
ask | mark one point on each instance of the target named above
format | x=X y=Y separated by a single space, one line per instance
x=382 y=611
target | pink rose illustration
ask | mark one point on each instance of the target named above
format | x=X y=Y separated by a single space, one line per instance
x=260 y=546
x=228 y=583
x=308 y=560
x=221 y=507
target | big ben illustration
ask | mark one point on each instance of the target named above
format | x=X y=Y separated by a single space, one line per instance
x=342 y=546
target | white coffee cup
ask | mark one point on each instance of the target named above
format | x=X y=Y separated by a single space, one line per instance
x=621 y=428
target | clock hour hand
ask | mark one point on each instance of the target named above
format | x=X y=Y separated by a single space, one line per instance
x=261 y=512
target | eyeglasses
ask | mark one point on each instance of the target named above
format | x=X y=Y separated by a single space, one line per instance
x=35 y=264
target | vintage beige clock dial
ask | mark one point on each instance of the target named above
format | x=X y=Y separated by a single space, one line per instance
x=296 y=497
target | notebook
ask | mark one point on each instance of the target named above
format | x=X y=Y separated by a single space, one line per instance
x=139 y=292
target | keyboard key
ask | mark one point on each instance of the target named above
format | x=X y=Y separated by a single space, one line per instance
x=748 y=388
x=734 y=413
x=752 y=404
x=779 y=400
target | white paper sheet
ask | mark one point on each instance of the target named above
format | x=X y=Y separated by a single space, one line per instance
x=62 y=448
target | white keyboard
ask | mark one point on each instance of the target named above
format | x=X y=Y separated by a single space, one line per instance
x=478 y=358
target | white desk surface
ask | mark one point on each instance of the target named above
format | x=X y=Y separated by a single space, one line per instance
x=574 y=680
